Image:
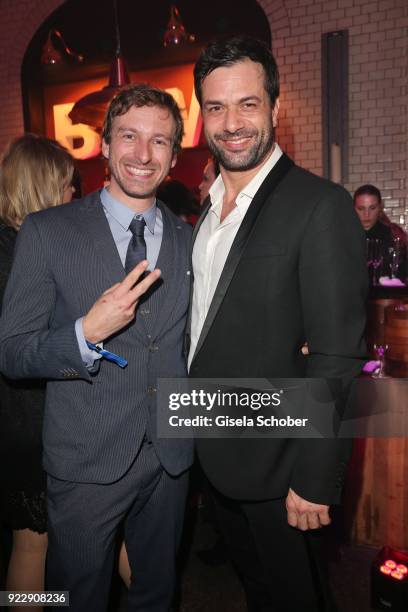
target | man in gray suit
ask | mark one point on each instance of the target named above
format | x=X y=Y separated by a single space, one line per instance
x=74 y=311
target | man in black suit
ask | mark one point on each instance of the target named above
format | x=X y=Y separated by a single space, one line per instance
x=278 y=261
x=74 y=285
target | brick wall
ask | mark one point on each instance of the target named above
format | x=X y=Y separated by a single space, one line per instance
x=19 y=20
x=377 y=82
x=378 y=124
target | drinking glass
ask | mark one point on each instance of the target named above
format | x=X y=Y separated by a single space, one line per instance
x=374 y=257
x=380 y=354
x=395 y=253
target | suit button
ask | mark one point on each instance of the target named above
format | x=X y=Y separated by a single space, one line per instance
x=151 y=390
x=153 y=348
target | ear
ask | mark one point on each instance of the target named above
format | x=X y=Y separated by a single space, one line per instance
x=275 y=113
x=105 y=149
x=173 y=161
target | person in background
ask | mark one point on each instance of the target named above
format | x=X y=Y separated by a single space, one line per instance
x=369 y=207
x=77 y=184
x=210 y=173
x=179 y=199
x=396 y=229
x=36 y=173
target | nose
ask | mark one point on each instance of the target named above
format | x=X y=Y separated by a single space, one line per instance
x=143 y=151
x=232 y=120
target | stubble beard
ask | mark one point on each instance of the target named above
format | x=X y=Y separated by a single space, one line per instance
x=233 y=162
x=127 y=189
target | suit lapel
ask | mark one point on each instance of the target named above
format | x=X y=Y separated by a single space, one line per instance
x=206 y=207
x=170 y=262
x=201 y=218
x=94 y=222
x=262 y=195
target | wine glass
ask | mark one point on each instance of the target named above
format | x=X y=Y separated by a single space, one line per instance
x=380 y=354
x=395 y=253
x=374 y=257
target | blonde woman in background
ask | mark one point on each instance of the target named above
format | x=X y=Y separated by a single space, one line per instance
x=36 y=173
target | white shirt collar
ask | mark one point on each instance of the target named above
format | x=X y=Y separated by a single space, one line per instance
x=124 y=215
x=246 y=194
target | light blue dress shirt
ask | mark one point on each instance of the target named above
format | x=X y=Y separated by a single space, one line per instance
x=119 y=218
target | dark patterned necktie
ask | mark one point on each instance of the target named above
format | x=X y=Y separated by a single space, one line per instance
x=137 y=246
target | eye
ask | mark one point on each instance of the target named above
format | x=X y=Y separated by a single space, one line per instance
x=215 y=108
x=128 y=136
x=160 y=141
x=249 y=105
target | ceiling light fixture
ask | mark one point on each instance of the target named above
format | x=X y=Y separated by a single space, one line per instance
x=91 y=108
x=175 y=32
x=51 y=55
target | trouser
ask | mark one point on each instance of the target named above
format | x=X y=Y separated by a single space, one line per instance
x=83 y=520
x=280 y=567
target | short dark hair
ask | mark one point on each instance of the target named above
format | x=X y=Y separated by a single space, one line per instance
x=229 y=51
x=143 y=95
x=367 y=190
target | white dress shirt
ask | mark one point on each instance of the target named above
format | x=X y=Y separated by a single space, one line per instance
x=214 y=241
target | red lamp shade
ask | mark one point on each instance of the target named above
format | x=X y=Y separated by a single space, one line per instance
x=91 y=108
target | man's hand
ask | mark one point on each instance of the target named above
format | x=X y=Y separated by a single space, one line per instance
x=305 y=349
x=306 y=515
x=116 y=307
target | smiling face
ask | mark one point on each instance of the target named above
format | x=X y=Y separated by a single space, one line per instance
x=238 y=116
x=369 y=209
x=140 y=154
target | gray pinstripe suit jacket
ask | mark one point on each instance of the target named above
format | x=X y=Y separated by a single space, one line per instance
x=93 y=424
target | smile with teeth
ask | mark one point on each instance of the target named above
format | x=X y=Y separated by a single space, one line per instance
x=139 y=172
x=237 y=144
x=236 y=141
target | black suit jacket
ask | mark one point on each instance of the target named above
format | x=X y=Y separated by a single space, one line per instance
x=296 y=272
